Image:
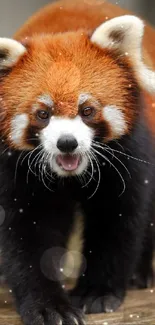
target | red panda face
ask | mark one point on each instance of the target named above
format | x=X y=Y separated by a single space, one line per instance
x=65 y=92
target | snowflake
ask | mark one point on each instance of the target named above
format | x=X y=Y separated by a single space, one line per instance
x=146 y=181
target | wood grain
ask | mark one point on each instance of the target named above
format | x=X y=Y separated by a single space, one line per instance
x=138 y=309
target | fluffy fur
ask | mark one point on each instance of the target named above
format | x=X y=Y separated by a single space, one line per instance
x=77 y=144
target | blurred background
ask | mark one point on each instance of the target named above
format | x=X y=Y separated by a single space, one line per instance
x=13 y=13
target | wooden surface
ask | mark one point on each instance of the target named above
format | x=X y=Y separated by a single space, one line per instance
x=138 y=309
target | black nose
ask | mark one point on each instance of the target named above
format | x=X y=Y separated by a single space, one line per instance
x=67 y=143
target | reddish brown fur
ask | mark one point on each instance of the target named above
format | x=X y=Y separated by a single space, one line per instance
x=65 y=65
x=63 y=16
x=58 y=64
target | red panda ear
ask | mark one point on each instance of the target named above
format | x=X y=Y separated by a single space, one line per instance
x=125 y=34
x=10 y=52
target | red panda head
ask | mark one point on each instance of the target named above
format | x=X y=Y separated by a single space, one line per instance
x=63 y=92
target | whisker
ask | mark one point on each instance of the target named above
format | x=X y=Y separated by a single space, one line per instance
x=107 y=149
x=92 y=169
x=98 y=145
x=42 y=178
x=104 y=157
x=45 y=160
x=134 y=158
x=5 y=150
x=123 y=153
x=30 y=164
x=37 y=157
x=116 y=141
x=119 y=162
x=99 y=175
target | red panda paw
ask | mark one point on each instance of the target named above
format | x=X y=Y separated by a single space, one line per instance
x=105 y=304
x=53 y=316
x=63 y=316
x=93 y=303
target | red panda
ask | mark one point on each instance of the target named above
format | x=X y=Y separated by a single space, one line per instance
x=77 y=145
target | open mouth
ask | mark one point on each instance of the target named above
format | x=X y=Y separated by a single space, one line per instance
x=68 y=162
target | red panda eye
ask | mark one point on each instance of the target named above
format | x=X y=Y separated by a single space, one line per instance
x=87 y=111
x=43 y=115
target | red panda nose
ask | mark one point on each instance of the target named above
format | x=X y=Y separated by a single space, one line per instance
x=67 y=143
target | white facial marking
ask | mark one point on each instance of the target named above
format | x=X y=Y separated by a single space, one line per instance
x=83 y=98
x=13 y=51
x=46 y=99
x=18 y=126
x=58 y=127
x=115 y=117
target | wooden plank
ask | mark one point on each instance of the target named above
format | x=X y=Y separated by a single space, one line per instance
x=138 y=309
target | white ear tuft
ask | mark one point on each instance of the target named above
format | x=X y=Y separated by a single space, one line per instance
x=10 y=52
x=125 y=34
